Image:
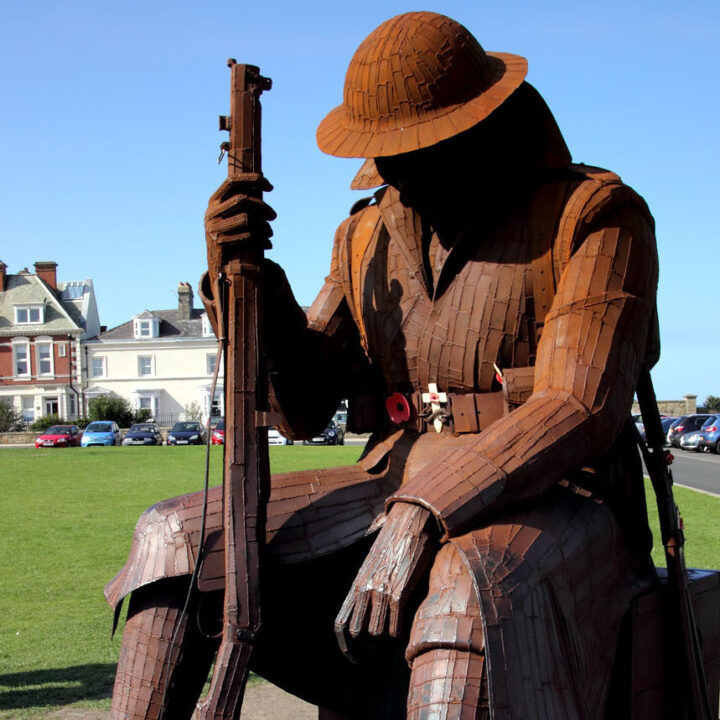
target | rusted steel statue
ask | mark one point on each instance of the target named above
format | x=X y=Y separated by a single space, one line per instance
x=489 y=313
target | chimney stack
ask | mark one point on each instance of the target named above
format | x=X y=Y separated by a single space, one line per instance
x=3 y=269
x=47 y=271
x=185 y=301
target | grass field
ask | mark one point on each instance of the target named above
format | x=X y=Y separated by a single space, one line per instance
x=68 y=517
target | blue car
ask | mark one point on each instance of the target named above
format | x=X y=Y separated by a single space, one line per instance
x=143 y=434
x=710 y=435
x=186 y=433
x=101 y=432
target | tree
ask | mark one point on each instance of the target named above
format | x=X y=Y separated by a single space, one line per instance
x=10 y=418
x=111 y=408
x=712 y=402
x=193 y=411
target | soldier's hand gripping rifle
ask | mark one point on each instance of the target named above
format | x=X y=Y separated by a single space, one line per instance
x=236 y=269
x=673 y=539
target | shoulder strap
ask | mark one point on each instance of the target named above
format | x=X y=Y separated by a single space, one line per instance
x=556 y=212
x=593 y=181
x=361 y=233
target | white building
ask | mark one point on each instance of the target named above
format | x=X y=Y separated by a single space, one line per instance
x=162 y=360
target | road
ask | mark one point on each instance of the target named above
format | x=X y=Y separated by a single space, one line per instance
x=700 y=471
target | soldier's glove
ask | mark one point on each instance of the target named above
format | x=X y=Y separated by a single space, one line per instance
x=235 y=214
x=398 y=559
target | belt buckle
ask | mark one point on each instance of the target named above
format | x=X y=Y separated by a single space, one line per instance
x=435 y=413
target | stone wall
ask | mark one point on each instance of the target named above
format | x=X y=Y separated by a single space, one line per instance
x=18 y=438
x=676 y=408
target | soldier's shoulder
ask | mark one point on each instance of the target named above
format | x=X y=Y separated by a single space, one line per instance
x=591 y=191
x=364 y=213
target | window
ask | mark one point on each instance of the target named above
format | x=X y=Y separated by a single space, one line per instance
x=21 y=358
x=97 y=368
x=62 y=349
x=29 y=314
x=146 y=365
x=146 y=326
x=73 y=290
x=147 y=401
x=44 y=351
x=28 y=408
x=211 y=362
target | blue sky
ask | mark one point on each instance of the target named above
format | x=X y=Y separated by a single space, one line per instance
x=109 y=141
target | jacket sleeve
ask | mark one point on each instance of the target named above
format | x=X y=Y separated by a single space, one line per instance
x=311 y=365
x=588 y=361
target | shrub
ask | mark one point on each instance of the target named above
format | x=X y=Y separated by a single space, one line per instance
x=82 y=422
x=111 y=408
x=10 y=418
x=44 y=422
x=142 y=415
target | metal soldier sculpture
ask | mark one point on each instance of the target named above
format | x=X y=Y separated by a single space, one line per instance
x=488 y=313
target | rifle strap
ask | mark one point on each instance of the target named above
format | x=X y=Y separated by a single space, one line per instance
x=698 y=701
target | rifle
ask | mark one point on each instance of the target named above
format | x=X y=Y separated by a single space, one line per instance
x=657 y=462
x=246 y=476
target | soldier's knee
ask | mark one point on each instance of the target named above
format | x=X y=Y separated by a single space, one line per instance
x=165 y=542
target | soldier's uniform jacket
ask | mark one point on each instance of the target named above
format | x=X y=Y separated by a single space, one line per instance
x=564 y=281
x=562 y=285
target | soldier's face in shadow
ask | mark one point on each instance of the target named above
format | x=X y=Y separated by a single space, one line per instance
x=440 y=179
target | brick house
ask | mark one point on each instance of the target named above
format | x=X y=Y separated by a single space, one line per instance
x=42 y=325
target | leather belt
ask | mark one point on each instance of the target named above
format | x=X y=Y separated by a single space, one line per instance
x=457 y=412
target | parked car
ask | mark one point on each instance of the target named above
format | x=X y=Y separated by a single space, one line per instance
x=710 y=435
x=686 y=424
x=665 y=421
x=143 y=434
x=187 y=432
x=275 y=437
x=333 y=434
x=101 y=432
x=218 y=433
x=690 y=441
x=59 y=436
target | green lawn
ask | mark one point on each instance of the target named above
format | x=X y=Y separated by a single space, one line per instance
x=68 y=517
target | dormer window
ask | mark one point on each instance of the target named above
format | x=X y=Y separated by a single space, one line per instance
x=146 y=326
x=207 y=329
x=29 y=314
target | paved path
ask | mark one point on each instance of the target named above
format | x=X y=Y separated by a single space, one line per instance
x=262 y=702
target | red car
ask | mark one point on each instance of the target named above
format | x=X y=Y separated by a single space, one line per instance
x=218 y=433
x=60 y=436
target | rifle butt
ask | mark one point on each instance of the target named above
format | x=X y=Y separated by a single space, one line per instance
x=227 y=690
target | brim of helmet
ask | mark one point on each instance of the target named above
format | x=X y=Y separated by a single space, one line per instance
x=336 y=137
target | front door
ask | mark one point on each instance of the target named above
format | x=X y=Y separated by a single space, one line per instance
x=51 y=406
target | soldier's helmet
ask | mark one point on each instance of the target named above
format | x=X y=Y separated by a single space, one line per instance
x=417 y=79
